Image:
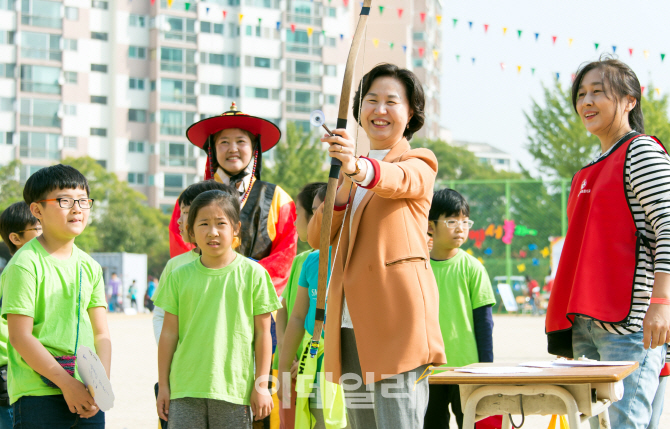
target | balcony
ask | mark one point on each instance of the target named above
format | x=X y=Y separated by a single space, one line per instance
x=173 y=130
x=303 y=49
x=41 y=21
x=174 y=67
x=179 y=36
x=40 y=121
x=301 y=108
x=178 y=99
x=172 y=192
x=43 y=88
x=300 y=18
x=304 y=78
x=27 y=152
x=177 y=161
x=41 y=54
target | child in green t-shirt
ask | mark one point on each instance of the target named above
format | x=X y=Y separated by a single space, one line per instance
x=466 y=298
x=17 y=227
x=215 y=348
x=54 y=302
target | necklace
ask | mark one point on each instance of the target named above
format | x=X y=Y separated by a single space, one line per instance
x=251 y=184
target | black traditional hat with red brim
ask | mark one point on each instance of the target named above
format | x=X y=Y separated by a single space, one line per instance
x=269 y=133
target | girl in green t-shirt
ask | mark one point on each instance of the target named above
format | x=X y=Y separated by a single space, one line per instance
x=216 y=344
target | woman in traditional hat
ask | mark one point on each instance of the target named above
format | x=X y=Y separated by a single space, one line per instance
x=234 y=143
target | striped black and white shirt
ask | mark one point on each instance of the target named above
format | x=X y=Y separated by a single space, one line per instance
x=647 y=181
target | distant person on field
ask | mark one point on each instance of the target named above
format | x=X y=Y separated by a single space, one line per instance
x=117 y=290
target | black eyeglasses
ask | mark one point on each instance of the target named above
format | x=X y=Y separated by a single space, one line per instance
x=68 y=203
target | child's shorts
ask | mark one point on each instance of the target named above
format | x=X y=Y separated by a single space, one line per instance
x=195 y=413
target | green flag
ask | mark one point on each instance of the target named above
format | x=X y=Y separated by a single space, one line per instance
x=596 y=45
x=458 y=58
x=519 y=31
x=381 y=9
x=391 y=45
x=187 y=6
x=662 y=57
x=532 y=71
x=455 y=21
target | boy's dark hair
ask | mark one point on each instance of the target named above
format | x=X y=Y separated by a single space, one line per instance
x=188 y=195
x=229 y=203
x=15 y=218
x=619 y=81
x=413 y=89
x=449 y=203
x=47 y=179
x=306 y=195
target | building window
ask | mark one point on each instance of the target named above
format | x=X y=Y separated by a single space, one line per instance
x=41 y=13
x=176 y=154
x=99 y=36
x=98 y=4
x=136 y=83
x=7 y=37
x=102 y=68
x=41 y=79
x=174 y=122
x=40 y=46
x=136 y=178
x=330 y=12
x=70 y=142
x=178 y=91
x=228 y=60
x=210 y=27
x=70 y=44
x=7 y=138
x=7 y=5
x=135 y=146
x=265 y=63
x=39 y=145
x=98 y=99
x=417 y=62
x=139 y=52
x=71 y=13
x=177 y=60
x=7 y=104
x=418 y=35
x=331 y=70
x=70 y=109
x=179 y=29
x=137 y=21
x=220 y=90
x=271 y=94
x=331 y=42
x=137 y=115
x=70 y=77
x=330 y=99
x=174 y=184
x=7 y=70
x=100 y=132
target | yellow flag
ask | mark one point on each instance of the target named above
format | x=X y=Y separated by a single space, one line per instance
x=646 y=54
x=518 y=69
x=438 y=18
x=658 y=91
x=436 y=54
x=504 y=30
x=169 y=2
x=569 y=42
x=241 y=16
x=310 y=30
x=375 y=42
x=521 y=268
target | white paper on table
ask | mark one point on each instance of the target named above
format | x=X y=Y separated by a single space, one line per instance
x=95 y=379
x=588 y=362
x=498 y=370
x=539 y=364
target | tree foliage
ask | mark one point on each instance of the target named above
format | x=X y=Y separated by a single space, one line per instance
x=11 y=190
x=561 y=144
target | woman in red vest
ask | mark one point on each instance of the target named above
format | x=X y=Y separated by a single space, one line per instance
x=611 y=296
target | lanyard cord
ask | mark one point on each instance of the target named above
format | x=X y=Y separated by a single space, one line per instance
x=76 y=343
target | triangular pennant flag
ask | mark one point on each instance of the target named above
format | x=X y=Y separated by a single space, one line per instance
x=421 y=50
x=259 y=21
x=240 y=17
x=381 y=9
x=658 y=91
x=502 y=66
x=391 y=45
x=187 y=6
x=596 y=45
x=532 y=71
x=473 y=60
x=375 y=42
x=169 y=2
x=554 y=39
x=486 y=28
x=423 y=17
x=630 y=50
x=153 y=2
x=436 y=54
x=458 y=58
x=341 y=36
x=537 y=35
x=404 y=48
x=569 y=42
x=278 y=25
x=613 y=49
x=455 y=22
x=642 y=88
x=504 y=30
x=224 y=14
x=646 y=54
x=400 y=12
x=323 y=32
x=292 y=28
x=519 y=33
x=207 y=10
x=470 y=24
x=346 y=3
x=558 y=75
x=438 y=18
x=662 y=57
x=518 y=69
x=310 y=30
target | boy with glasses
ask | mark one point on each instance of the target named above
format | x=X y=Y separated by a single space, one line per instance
x=54 y=302
x=466 y=298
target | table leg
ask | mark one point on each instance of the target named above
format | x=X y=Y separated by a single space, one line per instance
x=506 y=423
x=604 y=419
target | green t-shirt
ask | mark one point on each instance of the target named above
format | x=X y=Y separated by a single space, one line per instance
x=171 y=265
x=37 y=285
x=216 y=307
x=291 y=291
x=464 y=285
x=4 y=334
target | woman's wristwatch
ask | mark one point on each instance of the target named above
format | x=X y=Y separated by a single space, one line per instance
x=358 y=169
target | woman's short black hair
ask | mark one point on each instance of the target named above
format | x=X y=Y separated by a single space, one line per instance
x=413 y=89
x=15 y=218
x=306 y=196
x=619 y=81
x=190 y=193
x=229 y=203
x=47 y=179
x=449 y=203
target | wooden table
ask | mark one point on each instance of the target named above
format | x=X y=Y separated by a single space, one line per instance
x=580 y=393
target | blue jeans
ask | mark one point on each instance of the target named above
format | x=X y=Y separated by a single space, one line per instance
x=657 y=405
x=633 y=411
x=6 y=417
x=51 y=412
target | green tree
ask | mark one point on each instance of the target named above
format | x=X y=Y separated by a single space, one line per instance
x=11 y=191
x=561 y=144
x=299 y=159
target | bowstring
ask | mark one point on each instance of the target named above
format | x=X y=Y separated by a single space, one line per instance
x=358 y=126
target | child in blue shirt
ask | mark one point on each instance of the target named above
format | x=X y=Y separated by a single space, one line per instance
x=466 y=298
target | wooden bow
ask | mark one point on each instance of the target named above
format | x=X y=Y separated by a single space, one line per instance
x=333 y=176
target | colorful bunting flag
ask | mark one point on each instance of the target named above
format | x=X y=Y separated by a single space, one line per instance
x=346 y=3
x=569 y=42
x=375 y=42
x=153 y=2
x=642 y=88
x=596 y=45
x=519 y=33
x=537 y=36
x=662 y=57
x=436 y=54
x=532 y=71
x=169 y=2
x=455 y=22
x=391 y=45
x=381 y=9
x=278 y=25
x=572 y=77
x=558 y=76
x=259 y=21
x=421 y=50
x=310 y=30
x=646 y=54
x=400 y=12
x=423 y=17
x=473 y=61
x=518 y=69
x=341 y=36
x=404 y=48
x=187 y=6
x=502 y=66
x=504 y=30
x=438 y=18
x=207 y=10
x=554 y=39
x=630 y=50
x=224 y=14
x=458 y=58
x=486 y=28
x=658 y=91
x=613 y=49
x=470 y=24
x=292 y=28
x=240 y=17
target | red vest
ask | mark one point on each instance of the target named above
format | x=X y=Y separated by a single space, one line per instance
x=597 y=268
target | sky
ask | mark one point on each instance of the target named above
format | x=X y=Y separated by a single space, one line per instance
x=481 y=102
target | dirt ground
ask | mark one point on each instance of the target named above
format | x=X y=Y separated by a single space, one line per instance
x=134 y=366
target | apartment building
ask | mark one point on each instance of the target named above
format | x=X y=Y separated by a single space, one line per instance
x=120 y=81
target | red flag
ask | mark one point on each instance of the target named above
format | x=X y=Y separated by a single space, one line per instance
x=642 y=88
x=400 y=13
x=292 y=28
x=153 y=2
x=502 y=66
x=554 y=39
x=486 y=28
x=573 y=76
x=421 y=52
x=346 y=3
x=224 y=14
x=631 y=51
x=423 y=17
